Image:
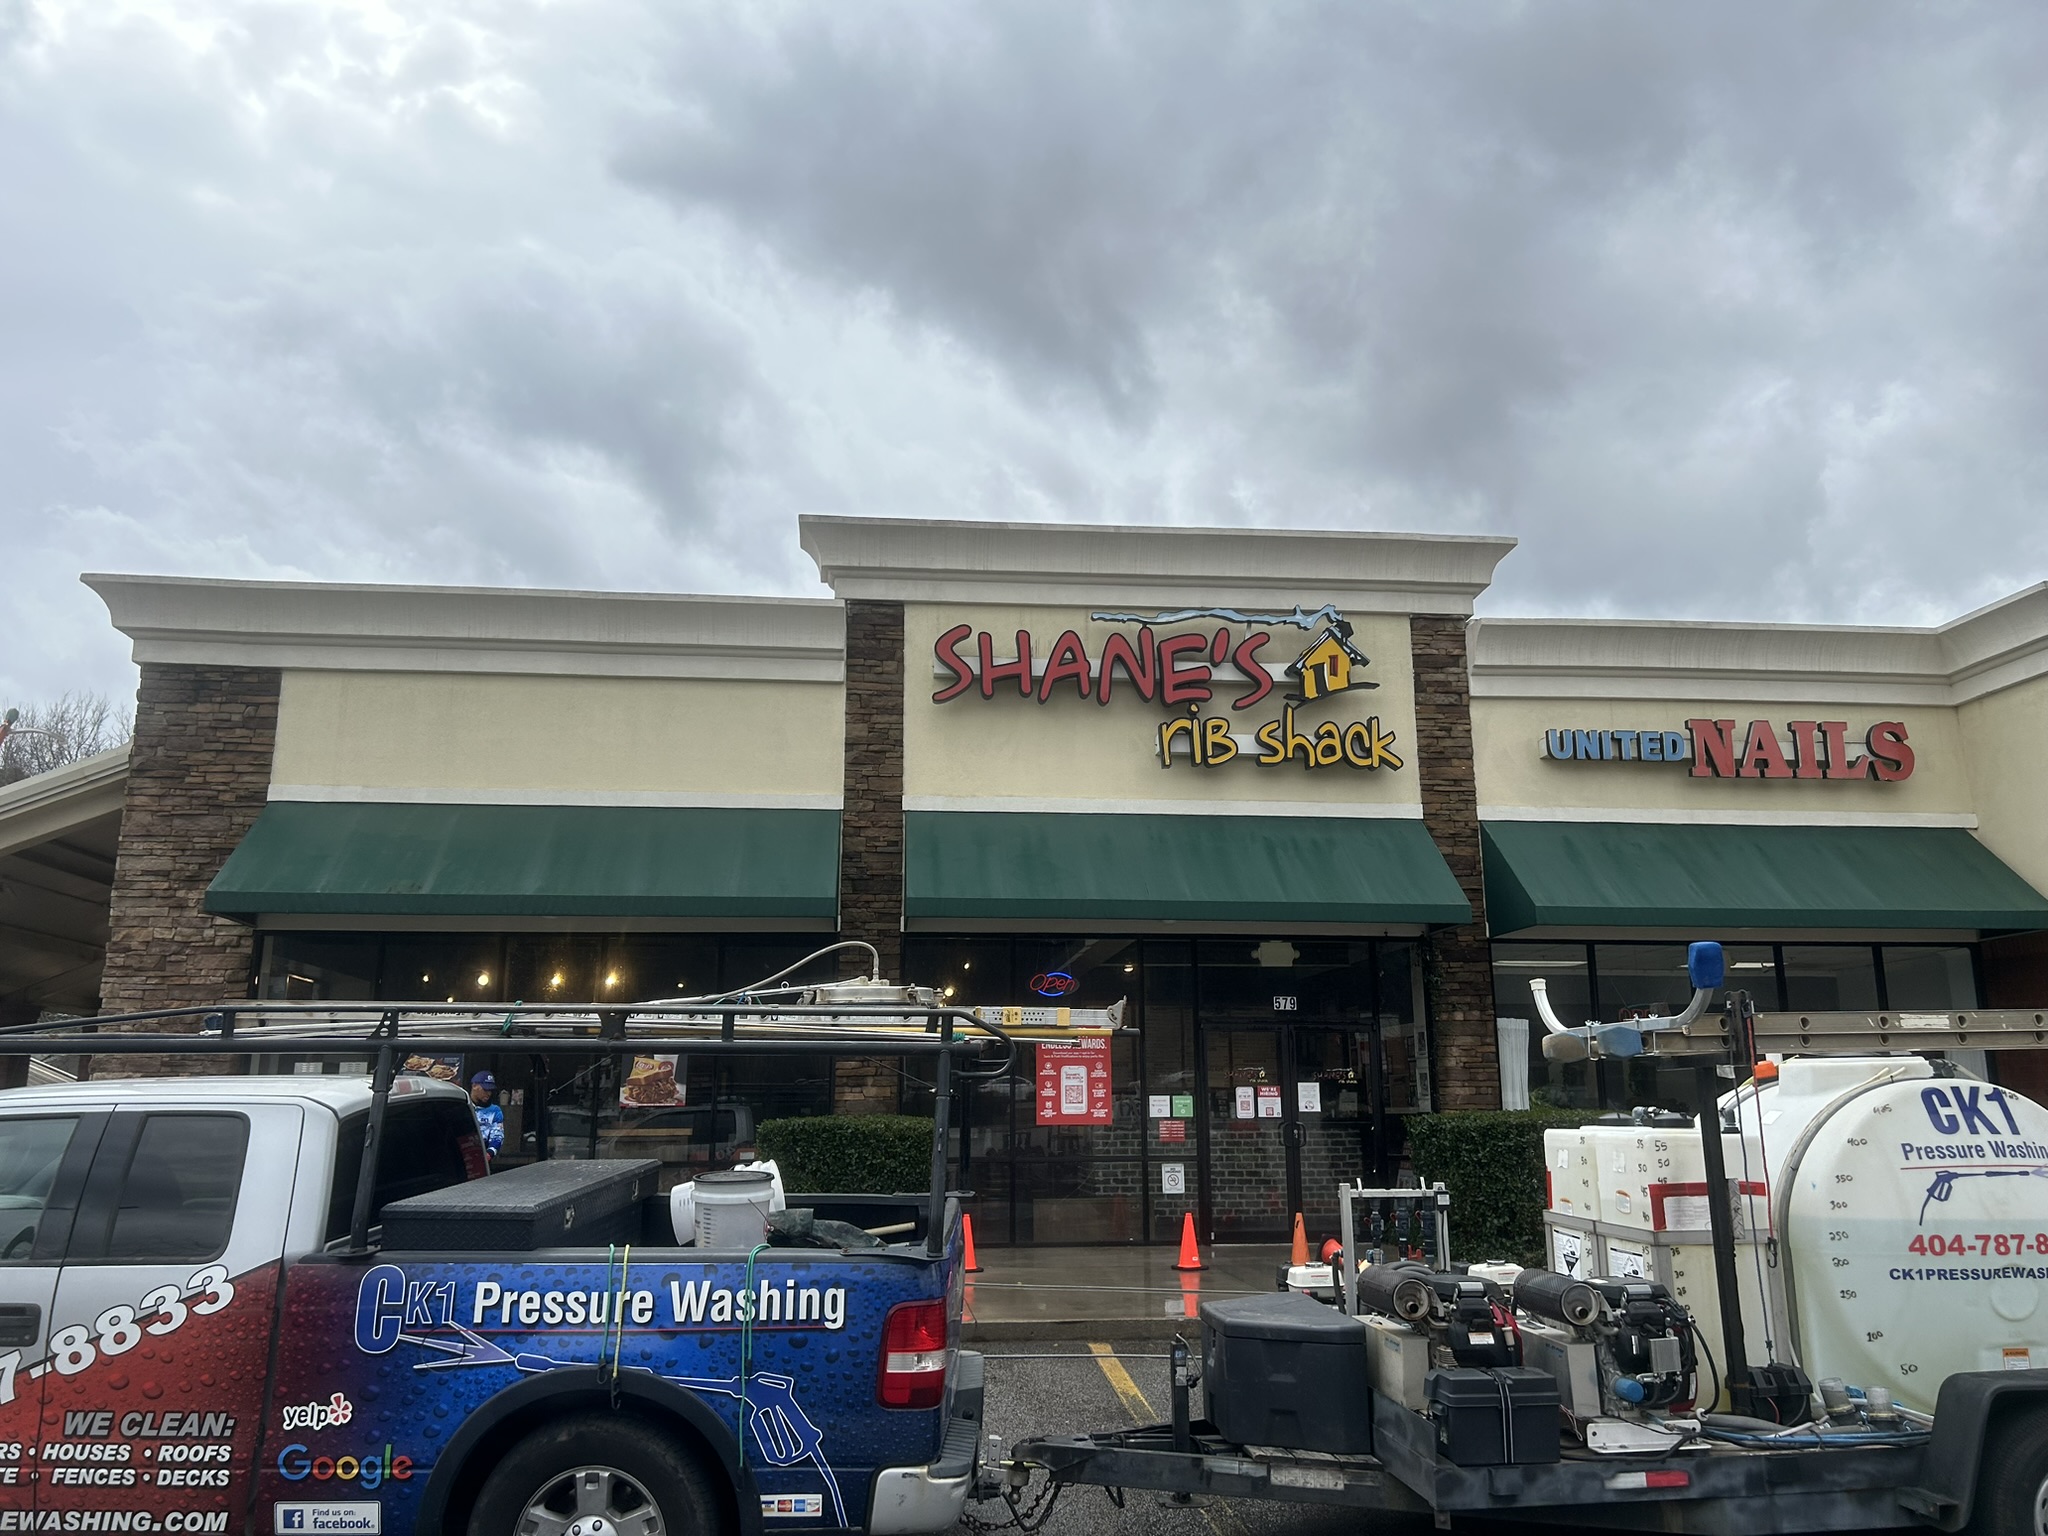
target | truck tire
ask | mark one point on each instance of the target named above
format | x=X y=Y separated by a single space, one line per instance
x=2012 y=1477
x=596 y=1474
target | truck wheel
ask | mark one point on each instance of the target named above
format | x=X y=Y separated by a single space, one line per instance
x=2012 y=1478
x=596 y=1475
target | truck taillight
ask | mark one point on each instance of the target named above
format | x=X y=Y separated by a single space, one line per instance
x=915 y=1355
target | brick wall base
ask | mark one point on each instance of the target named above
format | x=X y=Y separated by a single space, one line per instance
x=198 y=775
x=1457 y=961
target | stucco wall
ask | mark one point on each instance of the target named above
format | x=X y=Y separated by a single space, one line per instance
x=1068 y=749
x=2008 y=736
x=1512 y=770
x=723 y=740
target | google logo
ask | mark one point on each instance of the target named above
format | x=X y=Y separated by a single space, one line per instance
x=295 y=1466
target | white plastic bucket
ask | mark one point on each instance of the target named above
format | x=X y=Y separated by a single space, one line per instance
x=682 y=1211
x=732 y=1208
x=776 y=1202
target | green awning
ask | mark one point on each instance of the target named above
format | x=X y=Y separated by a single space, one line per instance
x=533 y=861
x=1567 y=874
x=1053 y=867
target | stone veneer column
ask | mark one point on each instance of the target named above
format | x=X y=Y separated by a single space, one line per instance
x=1458 y=963
x=198 y=776
x=871 y=827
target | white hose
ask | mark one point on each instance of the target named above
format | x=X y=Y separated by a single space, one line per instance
x=1540 y=990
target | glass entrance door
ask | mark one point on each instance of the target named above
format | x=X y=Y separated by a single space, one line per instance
x=1292 y=1111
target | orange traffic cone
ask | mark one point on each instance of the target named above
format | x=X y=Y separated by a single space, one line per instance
x=1299 y=1255
x=1190 y=1256
x=967 y=1231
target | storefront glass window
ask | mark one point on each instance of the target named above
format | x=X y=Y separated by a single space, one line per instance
x=647 y=966
x=309 y=967
x=1100 y=1196
x=722 y=1101
x=455 y=968
x=1641 y=980
x=1566 y=972
x=1269 y=981
x=1175 y=1139
x=1938 y=978
x=1827 y=978
x=1247 y=1153
x=1404 y=1063
x=555 y=968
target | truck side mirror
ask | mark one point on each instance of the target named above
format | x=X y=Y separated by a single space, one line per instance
x=1705 y=964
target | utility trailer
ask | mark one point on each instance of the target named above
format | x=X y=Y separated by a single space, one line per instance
x=1979 y=1462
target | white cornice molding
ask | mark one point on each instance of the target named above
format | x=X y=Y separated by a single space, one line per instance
x=343 y=627
x=1111 y=565
x=1700 y=816
x=385 y=794
x=1348 y=810
x=1996 y=647
x=34 y=810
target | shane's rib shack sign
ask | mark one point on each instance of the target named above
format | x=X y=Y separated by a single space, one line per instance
x=1206 y=667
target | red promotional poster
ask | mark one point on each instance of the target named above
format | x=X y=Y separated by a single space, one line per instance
x=1073 y=1082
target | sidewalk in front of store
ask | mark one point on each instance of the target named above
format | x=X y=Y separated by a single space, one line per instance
x=1106 y=1293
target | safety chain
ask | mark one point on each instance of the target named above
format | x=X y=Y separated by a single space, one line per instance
x=1027 y=1519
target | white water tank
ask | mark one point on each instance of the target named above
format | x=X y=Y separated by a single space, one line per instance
x=1912 y=1219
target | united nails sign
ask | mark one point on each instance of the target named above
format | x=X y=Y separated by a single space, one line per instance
x=1235 y=662
x=1715 y=749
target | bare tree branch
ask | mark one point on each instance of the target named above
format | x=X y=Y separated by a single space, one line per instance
x=47 y=736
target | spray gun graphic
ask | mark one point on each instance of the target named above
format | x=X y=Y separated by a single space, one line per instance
x=1945 y=1182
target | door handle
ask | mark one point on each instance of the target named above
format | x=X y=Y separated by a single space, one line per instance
x=21 y=1322
x=1296 y=1135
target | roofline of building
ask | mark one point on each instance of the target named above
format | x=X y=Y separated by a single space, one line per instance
x=48 y=805
x=930 y=560
x=1992 y=648
x=385 y=628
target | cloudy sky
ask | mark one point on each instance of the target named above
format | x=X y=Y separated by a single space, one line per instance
x=1720 y=309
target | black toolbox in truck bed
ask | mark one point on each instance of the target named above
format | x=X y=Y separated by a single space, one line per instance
x=543 y=1205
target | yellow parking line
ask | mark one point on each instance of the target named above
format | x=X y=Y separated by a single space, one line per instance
x=1120 y=1382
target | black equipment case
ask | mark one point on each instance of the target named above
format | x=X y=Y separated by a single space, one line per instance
x=543 y=1205
x=1286 y=1371
x=1494 y=1418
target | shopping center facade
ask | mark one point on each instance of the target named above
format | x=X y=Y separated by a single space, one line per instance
x=1278 y=793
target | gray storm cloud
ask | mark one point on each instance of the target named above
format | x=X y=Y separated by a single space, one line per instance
x=1727 y=310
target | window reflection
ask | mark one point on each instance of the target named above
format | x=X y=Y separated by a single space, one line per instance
x=1827 y=978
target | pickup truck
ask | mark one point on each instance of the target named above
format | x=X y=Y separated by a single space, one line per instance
x=193 y=1339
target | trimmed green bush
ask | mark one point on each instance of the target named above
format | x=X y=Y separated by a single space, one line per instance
x=850 y=1154
x=1491 y=1161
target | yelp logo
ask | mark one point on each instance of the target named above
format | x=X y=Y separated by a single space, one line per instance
x=336 y=1410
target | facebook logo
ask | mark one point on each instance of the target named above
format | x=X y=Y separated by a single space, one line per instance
x=358 y=1519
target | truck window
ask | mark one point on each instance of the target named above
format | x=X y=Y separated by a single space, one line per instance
x=177 y=1197
x=424 y=1149
x=30 y=1151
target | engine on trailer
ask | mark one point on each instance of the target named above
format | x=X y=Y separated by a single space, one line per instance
x=1625 y=1356
x=1466 y=1319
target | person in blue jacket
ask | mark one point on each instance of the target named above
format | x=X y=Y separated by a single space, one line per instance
x=490 y=1118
